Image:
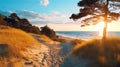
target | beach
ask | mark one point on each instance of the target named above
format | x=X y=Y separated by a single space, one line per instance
x=62 y=52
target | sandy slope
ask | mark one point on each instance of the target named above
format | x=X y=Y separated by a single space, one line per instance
x=51 y=54
x=46 y=55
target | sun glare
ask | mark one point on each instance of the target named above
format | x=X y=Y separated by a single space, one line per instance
x=100 y=27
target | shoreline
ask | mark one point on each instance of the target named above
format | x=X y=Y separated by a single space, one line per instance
x=59 y=36
x=85 y=35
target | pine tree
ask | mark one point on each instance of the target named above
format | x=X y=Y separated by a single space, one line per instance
x=97 y=10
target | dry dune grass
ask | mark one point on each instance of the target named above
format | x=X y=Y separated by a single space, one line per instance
x=100 y=54
x=42 y=37
x=45 y=38
x=17 y=40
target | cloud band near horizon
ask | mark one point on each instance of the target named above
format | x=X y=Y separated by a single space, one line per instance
x=35 y=18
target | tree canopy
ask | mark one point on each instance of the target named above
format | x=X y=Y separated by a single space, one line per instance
x=97 y=10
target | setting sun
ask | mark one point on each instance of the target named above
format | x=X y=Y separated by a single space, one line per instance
x=100 y=27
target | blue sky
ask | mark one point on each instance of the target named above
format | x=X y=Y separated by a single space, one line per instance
x=54 y=13
x=64 y=6
x=42 y=12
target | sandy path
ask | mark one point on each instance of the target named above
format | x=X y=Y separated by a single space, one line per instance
x=46 y=55
x=52 y=54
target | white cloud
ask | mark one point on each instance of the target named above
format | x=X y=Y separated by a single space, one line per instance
x=35 y=18
x=44 y=2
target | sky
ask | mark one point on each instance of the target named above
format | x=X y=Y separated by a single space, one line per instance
x=54 y=13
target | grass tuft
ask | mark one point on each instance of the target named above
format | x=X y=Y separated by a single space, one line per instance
x=101 y=54
x=16 y=39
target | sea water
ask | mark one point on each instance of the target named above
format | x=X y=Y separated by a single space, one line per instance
x=85 y=34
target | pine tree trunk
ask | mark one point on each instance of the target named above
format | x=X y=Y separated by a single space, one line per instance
x=105 y=31
x=105 y=20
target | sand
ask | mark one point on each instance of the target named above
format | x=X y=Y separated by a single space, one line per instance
x=49 y=54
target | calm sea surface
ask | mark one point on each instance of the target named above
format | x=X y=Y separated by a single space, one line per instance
x=85 y=34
